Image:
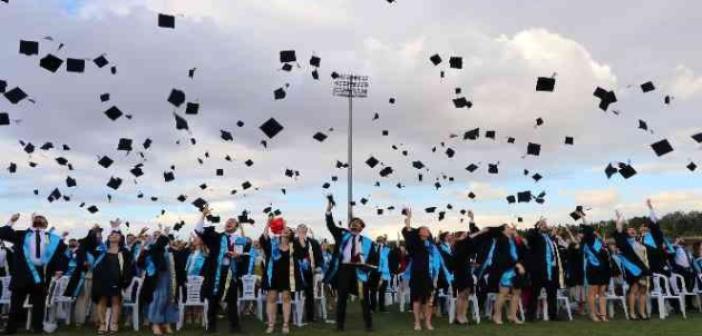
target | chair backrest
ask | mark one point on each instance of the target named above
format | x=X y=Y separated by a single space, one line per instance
x=661 y=285
x=6 y=293
x=193 y=289
x=318 y=285
x=248 y=287
x=131 y=294
x=677 y=284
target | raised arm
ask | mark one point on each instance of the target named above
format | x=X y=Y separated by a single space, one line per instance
x=331 y=226
x=619 y=221
x=7 y=233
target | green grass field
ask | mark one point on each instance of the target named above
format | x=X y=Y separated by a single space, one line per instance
x=396 y=323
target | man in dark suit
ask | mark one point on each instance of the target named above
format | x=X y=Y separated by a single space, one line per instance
x=39 y=254
x=349 y=270
x=544 y=267
x=308 y=257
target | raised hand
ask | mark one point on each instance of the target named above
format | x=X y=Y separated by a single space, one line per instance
x=649 y=204
x=14 y=218
x=115 y=224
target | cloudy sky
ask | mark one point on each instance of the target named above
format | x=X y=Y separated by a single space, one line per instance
x=235 y=47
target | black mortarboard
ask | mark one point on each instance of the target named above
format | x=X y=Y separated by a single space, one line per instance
x=472 y=134
x=385 y=132
x=511 y=199
x=166 y=21
x=246 y=185
x=648 y=86
x=435 y=59
x=240 y=123
x=697 y=137
x=471 y=167
x=606 y=97
x=136 y=171
x=105 y=162
x=181 y=123
x=100 y=61
x=418 y=164
x=643 y=125
x=430 y=209
x=315 y=61
x=537 y=177
x=47 y=145
x=490 y=134
x=437 y=185
x=524 y=196
x=71 y=182
x=15 y=95
x=319 y=136
x=114 y=182
x=12 y=168
x=124 y=144
x=104 y=97
x=510 y=140
x=50 y=62
x=3 y=85
x=28 y=48
x=286 y=67
x=545 y=84
x=492 y=168
x=533 y=149
x=391 y=100
x=168 y=176
x=4 y=119
x=182 y=198
x=569 y=140
x=326 y=185
x=462 y=102
x=287 y=56
x=450 y=152
x=626 y=170
x=456 y=62
x=203 y=186
x=61 y=161
x=372 y=162
x=249 y=163
x=471 y=195
x=29 y=148
x=113 y=113
x=386 y=171
x=610 y=170
x=691 y=166
x=192 y=108
x=113 y=70
x=92 y=209
x=226 y=135
x=271 y=128
x=191 y=72
x=315 y=74
x=176 y=97
x=199 y=203
x=539 y=121
x=147 y=143
x=662 y=147
x=75 y=65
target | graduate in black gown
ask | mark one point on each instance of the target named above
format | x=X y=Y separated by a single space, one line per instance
x=597 y=271
x=308 y=260
x=279 y=274
x=506 y=271
x=465 y=248
x=634 y=264
x=544 y=268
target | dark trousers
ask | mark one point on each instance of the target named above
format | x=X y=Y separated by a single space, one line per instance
x=37 y=295
x=231 y=298
x=346 y=284
x=377 y=294
x=551 y=294
x=309 y=297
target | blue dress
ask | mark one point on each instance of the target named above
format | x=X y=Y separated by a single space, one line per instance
x=163 y=308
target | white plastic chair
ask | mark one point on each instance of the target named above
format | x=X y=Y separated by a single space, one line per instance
x=319 y=296
x=611 y=297
x=562 y=300
x=679 y=287
x=249 y=293
x=192 y=298
x=6 y=293
x=473 y=303
x=62 y=304
x=131 y=300
x=662 y=292
x=296 y=305
x=404 y=293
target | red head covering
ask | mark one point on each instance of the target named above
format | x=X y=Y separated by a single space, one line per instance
x=277 y=225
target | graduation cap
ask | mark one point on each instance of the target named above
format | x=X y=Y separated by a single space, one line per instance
x=166 y=21
x=271 y=128
x=176 y=97
x=385 y=132
x=511 y=199
x=626 y=170
x=92 y=209
x=391 y=100
x=4 y=119
x=71 y=182
x=104 y=97
x=533 y=149
x=114 y=182
x=490 y=134
x=372 y=162
x=191 y=72
x=472 y=167
x=386 y=171
x=510 y=140
x=12 y=168
x=75 y=65
x=606 y=97
x=61 y=161
x=113 y=113
x=326 y=185
x=472 y=134
x=28 y=48
x=545 y=84
x=105 y=162
x=575 y=215
x=226 y=135
x=240 y=123
x=643 y=125
x=569 y=140
x=610 y=170
x=524 y=196
x=691 y=166
x=137 y=171
x=29 y=148
x=319 y=136
x=246 y=185
x=537 y=177
x=450 y=152
x=418 y=164
x=124 y=144
x=539 y=121
x=435 y=59
x=461 y=102
x=471 y=195
x=147 y=143
x=168 y=176
x=315 y=74
x=286 y=67
x=15 y=95
x=249 y=163
x=199 y=203
x=430 y=209
x=647 y=87
x=315 y=61
x=3 y=86
x=662 y=147
x=192 y=108
x=50 y=62
x=203 y=186
x=697 y=137
x=456 y=62
x=181 y=123
x=492 y=168
x=100 y=61
x=287 y=56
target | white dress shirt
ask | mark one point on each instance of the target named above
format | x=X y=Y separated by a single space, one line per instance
x=33 y=245
x=355 y=239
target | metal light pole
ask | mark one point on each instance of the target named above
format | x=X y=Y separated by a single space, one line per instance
x=350 y=86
